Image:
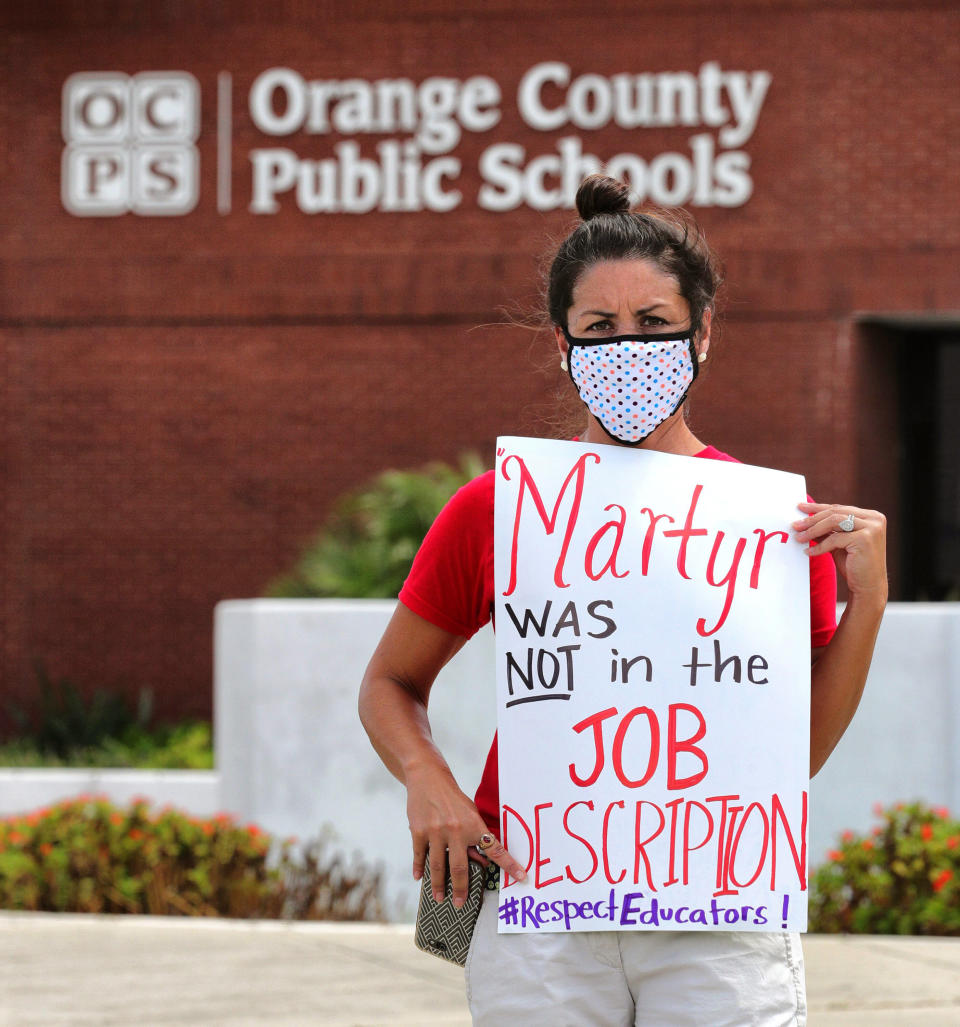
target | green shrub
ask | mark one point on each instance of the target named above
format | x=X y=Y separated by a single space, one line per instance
x=86 y=855
x=902 y=878
x=68 y=721
x=101 y=731
x=370 y=539
x=185 y=746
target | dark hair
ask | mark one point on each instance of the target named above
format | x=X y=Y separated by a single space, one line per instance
x=610 y=230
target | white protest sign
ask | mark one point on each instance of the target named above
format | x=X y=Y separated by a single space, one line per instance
x=653 y=678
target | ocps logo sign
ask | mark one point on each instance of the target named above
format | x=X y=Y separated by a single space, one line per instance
x=130 y=143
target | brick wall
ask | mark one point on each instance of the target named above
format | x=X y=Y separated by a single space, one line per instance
x=182 y=398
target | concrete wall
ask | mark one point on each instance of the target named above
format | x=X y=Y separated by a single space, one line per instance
x=26 y=789
x=293 y=756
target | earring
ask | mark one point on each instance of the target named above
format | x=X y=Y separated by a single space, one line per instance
x=563 y=364
x=702 y=357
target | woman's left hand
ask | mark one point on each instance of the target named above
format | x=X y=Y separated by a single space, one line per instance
x=860 y=554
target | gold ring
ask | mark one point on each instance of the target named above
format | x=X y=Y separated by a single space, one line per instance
x=486 y=840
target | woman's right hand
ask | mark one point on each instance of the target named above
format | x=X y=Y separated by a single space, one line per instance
x=445 y=825
x=393 y=708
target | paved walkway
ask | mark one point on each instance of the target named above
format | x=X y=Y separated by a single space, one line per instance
x=155 y=971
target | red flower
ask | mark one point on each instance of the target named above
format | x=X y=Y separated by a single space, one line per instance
x=941 y=879
x=878 y=809
x=867 y=844
x=942 y=812
x=116 y=818
x=135 y=834
x=926 y=832
x=46 y=849
x=847 y=836
x=953 y=841
x=253 y=830
x=835 y=855
x=207 y=828
x=877 y=831
x=17 y=838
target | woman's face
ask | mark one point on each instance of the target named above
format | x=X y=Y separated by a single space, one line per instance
x=630 y=297
x=624 y=297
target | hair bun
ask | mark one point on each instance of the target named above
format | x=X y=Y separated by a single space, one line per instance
x=600 y=194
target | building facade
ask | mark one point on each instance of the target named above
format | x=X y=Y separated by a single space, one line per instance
x=250 y=257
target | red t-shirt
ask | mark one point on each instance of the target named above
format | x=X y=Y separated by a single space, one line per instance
x=451 y=585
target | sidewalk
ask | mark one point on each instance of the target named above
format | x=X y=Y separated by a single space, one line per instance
x=154 y=971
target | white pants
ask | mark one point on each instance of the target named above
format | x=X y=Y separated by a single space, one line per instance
x=620 y=978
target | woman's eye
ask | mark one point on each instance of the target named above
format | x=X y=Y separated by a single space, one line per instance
x=652 y=321
x=602 y=326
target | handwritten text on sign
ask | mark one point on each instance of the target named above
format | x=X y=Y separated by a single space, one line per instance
x=653 y=673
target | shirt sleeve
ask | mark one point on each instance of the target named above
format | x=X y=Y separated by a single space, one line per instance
x=448 y=582
x=823 y=597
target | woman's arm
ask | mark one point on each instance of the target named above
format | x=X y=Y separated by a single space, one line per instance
x=393 y=709
x=840 y=671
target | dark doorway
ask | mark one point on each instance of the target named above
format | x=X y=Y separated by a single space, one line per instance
x=910 y=449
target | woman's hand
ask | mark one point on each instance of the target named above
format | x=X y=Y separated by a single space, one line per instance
x=840 y=671
x=860 y=554
x=445 y=826
x=393 y=708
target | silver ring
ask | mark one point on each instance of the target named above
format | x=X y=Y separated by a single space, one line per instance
x=847 y=523
x=486 y=840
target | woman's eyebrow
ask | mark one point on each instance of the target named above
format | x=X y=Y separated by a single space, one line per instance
x=610 y=313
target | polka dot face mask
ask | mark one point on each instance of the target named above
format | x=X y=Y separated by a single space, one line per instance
x=632 y=383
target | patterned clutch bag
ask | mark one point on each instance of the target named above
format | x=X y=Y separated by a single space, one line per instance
x=442 y=929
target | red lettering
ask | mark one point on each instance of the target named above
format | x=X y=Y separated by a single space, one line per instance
x=687 y=847
x=503 y=830
x=583 y=841
x=765 y=537
x=726 y=889
x=676 y=745
x=722 y=837
x=654 y=746
x=538 y=862
x=732 y=862
x=799 y=859
x=611 y=564
x=640 y=847
x=686 y=533
x=527 y=484
x=674 y=807
x=605 y=848
x=596 y=722
x=730 y=580
x=648 y=537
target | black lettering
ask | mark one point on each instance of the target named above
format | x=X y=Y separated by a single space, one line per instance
x=528 y=619
x=610 y=625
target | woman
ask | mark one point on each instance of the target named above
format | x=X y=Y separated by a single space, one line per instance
x=622 y=276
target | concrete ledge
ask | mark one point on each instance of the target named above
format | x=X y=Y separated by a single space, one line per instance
x=27 y=788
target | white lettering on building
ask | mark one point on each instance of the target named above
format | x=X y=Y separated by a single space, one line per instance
x=130 y=143
x=130 y=140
